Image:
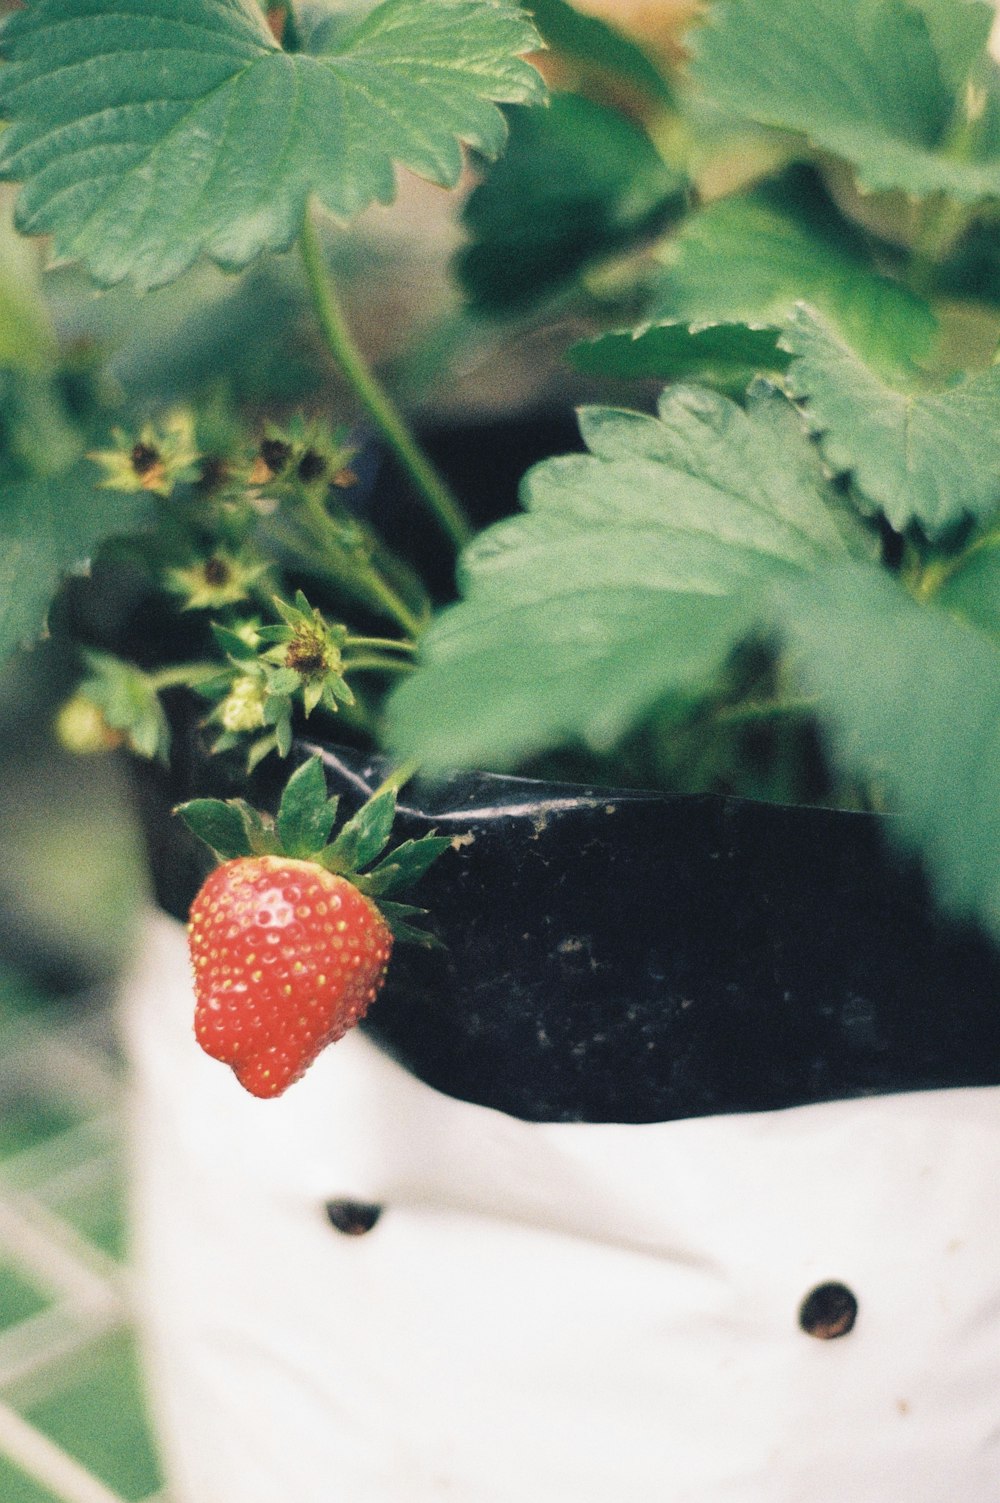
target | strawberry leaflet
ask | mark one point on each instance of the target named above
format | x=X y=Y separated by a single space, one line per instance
x=148 y=132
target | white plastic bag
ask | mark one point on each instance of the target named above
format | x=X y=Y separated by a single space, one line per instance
x=556 y=1313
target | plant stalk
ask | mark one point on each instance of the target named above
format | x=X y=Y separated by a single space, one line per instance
x=399 y=777
x=373 y=398
x=385 y=644
x=373 y=663
x=182 y=675
x=357 y=575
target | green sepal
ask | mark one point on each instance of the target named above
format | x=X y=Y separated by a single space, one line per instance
x=312 y=693
x=277 y=712
x=396 y=916
x=216 y=687
x=283 y=736
x=260 y=831
x=405 y=865
x=292 y=613
x=233 y=645
x=337 y=689
x=232 y=828
x=259 y=749
x=306 y=814
x=218 y=825
x=364 y=837
x=228 y=741
x=283 y=681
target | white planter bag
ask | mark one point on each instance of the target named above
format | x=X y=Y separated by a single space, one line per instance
x=553 y=1312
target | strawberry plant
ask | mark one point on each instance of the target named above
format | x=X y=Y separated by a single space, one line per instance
x=769 y=253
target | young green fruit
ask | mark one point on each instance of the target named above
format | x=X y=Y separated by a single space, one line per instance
x=287 y=957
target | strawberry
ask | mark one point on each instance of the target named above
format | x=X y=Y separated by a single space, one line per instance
x=290 y=936
x=287 y=957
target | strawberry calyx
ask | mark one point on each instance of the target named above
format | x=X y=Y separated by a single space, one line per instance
x=303 y=830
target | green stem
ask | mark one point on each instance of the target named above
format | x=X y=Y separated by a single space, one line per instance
x=357 y=574
x=385 y=644
x=183 y=675
x=373 y=663
x=427 y=482
x=397 y=779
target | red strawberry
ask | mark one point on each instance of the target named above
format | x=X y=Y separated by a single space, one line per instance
x=289 y=949
x=287 y=957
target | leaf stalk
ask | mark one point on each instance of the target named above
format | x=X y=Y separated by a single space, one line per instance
x=376 y=402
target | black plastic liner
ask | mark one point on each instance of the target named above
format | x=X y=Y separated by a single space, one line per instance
x=633 y=957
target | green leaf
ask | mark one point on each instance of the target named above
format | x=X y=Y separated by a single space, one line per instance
x=635 y=571
x=753 y=256
x=971 y=588
x=910 y=698
x=959 y=31
x=48 y=526
x=397 y=915
x=874 y=81
x=149 y=131
x=927 y=457
x=129 y=701
x=598 y=45
x=38 y=435
x=364 y=837
x=404 y=866
x=726 y=356
x=306 y=814
x=578 y=182
x=27 y=338
x=218 y=824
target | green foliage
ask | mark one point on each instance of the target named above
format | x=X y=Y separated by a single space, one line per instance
x=882 y=85
x=926 y=457
x=137 y=170
x=636 y=571
x=971 y=584
x=129 y=702
x=911 y=700
x=754 y=255
x=27 y=338
x=600 y=47
x=48 y=525
x=725 y=355
x=959 y=33
x=219 y=825
x=578 y=182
